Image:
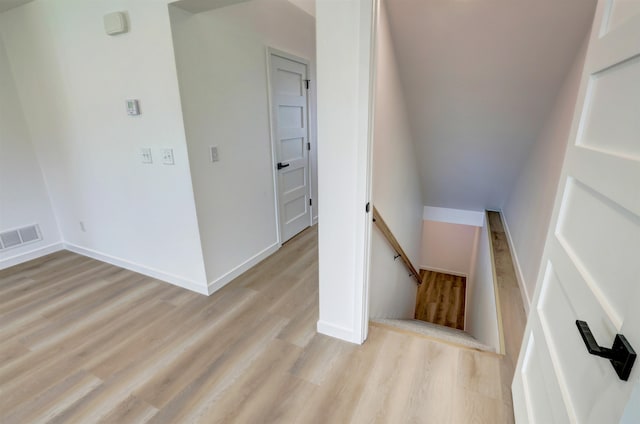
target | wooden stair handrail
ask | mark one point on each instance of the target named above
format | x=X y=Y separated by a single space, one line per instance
x=384 y=228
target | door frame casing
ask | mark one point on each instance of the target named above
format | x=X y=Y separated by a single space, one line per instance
x=375 y=6
x=270 y=51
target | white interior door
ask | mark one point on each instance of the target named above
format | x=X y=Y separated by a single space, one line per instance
x=289 y=115
x=591 y=264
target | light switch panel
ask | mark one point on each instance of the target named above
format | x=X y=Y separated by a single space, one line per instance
x=167 y=157
x=214 y=154
x=133 y=107
x=145 y=154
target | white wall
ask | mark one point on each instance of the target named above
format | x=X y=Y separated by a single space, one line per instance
x=23 y=194
x=73 y=80
x=392 y=290
x=396 y=187
x=448 y=247
x=221 y=59
x=527 y=210
x=480 y=78
x=344 y=40
x=481 y=312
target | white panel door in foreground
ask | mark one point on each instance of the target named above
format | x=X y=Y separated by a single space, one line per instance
x=591 y=263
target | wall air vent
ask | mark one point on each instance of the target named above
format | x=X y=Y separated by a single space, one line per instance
x=19 y=237
x=10 y=239
x=29 y=234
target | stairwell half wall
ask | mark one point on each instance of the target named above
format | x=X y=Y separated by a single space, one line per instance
x=481 y=313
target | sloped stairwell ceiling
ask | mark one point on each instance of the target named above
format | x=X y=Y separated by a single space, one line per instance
x=480 y=79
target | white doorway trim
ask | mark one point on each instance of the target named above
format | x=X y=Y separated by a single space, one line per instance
x=362 y=309
x=271 y=51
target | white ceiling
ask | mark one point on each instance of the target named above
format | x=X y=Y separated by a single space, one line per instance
x=10 y=4
x=480 y=78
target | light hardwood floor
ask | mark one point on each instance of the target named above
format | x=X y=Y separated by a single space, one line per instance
x=82 y=341
x=440 y=299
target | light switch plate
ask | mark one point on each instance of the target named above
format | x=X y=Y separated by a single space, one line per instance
x=167 y=157
x=214 y=153
x=133 y=107
x=145 y=154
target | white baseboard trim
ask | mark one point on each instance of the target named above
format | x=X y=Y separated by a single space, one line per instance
x=142 y=269
x=516 y=265
x=337 y=331
x=225 y=279
x=443 y=271
x=314 y=221
x=30 y=255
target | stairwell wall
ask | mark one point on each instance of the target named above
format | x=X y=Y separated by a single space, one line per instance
x=481 y=313
x=527 y=210
x=397 y=192
x=448 y=247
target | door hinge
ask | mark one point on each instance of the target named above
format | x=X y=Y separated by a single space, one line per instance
x=307 y=83
x=367 y=208
x=308 y=146
x=310 y=202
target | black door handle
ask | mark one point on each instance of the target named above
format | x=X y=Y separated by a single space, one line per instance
x=621 y=355
x=280 y=165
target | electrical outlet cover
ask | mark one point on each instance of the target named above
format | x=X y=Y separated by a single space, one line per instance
x=167 y=157
x=214 y=154
x=145 y=154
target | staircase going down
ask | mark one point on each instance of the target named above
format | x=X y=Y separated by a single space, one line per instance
x=440 y=303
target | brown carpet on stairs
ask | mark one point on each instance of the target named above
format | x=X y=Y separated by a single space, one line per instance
x=441 y=299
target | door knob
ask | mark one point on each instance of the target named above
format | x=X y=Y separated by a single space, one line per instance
x=280 y=165
x=621 y=355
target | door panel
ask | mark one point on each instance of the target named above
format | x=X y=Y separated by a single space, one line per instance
x=291 y=83
x=291 y=118
x=591 y=260
x=294 y=180
x=541 y=387
x=600 y=252
x=613 y=129
x=618 y=12
x=290 y=135
x=291 y=149
x=557 y=317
